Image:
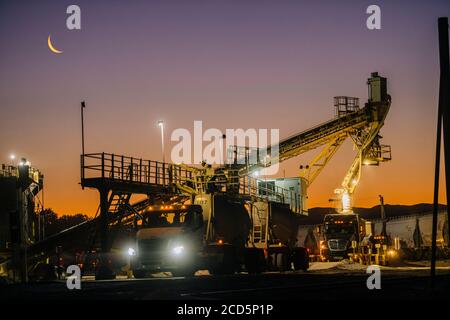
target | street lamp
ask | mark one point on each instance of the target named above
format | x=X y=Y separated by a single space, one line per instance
x=12 y=157
x=161 y=125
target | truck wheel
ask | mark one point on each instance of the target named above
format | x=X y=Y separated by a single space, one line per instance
x=300 y=259
x=139 y=274
x=282 y=261
x=222 y=268
x=104 y=273
x=45 y=272
x=226 y=264
x=185 y=272
x=254 y=260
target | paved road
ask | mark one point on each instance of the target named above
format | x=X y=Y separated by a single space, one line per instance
x=317 y=285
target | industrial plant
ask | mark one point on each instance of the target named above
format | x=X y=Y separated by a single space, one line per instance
x=223 y=219
x=227 y=222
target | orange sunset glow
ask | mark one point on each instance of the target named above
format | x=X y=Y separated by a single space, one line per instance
x=257 y=67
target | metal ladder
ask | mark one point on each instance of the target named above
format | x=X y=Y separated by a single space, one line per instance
x=117 y=201
x=259 y=227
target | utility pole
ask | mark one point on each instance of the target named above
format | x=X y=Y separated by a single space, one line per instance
x=43 y=208
x=161 y=125
x=83 y=105
x=443 y=125
x=383 y=215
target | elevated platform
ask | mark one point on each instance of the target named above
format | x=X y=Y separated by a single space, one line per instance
x=125 y=186
x=122 y=174
x=117 y=177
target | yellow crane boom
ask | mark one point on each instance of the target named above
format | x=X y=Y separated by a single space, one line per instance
x=362 y=125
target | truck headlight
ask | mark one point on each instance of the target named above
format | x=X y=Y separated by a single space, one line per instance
x=131 y=252
x=177 y=250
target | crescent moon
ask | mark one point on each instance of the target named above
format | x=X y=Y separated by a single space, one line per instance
x=51 y=47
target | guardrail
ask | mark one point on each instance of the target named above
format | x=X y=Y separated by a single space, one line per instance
x=9 y=171
x=134 y=170
x=263 y=190
x=247 y=185
x=128 y=169
x=15 y=171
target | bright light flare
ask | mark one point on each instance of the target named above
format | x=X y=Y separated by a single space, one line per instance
x=131 y=251
x=392 y=253
x=25 y=163
x=346 y=202
x=178 y=250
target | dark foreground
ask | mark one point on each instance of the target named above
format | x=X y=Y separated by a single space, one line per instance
x=315 y=285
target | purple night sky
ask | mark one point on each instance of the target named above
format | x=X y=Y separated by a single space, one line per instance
x=231 y=64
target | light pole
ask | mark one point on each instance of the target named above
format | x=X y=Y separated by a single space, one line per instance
x=12 y=157
x=83 y=105
x=161 y=125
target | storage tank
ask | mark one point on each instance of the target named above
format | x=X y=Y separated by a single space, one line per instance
x=405 y=227
x=231 y=222
x=284 y=223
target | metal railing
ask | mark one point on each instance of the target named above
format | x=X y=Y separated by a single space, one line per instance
x=9 y=171
x=14 y=171
x=261 y=189
x=248 y=186
x=133 y=170
x=344 y=105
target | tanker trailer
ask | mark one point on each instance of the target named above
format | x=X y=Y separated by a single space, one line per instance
x=210 y=234
x=278 y=237
x=216 y=233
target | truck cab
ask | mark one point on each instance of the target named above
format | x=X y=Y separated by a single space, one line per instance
x=169 y=238
x=342 y=234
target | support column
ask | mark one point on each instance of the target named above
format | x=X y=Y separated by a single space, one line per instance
x=445 y=91
x=443 y=124
x=104 y=215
